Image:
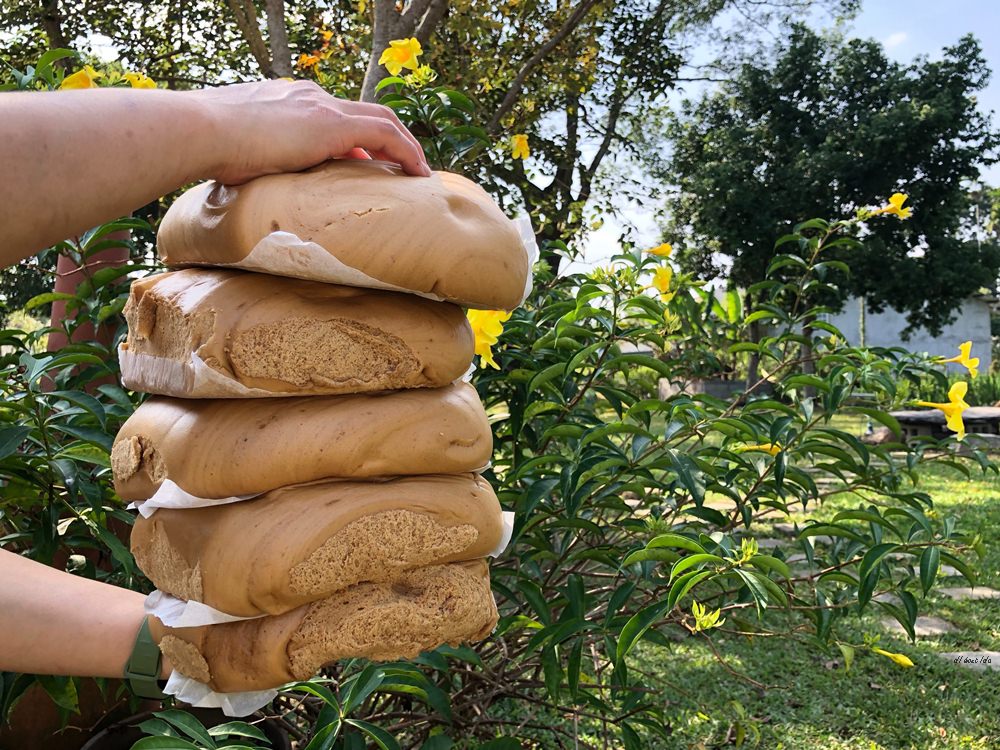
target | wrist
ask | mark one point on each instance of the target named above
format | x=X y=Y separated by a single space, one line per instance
x=209 y=138
x=144 y=667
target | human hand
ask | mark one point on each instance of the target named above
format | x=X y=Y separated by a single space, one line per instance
x=286 y=126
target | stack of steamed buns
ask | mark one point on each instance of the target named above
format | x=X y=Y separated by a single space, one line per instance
x=309 y=464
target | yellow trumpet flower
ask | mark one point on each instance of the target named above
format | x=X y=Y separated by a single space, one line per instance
x=662 y=251
x=954 y=408
x=895 y=206
x=401 y=53
x=487 y=327
x=140 y=81
x=963 y=358
x=901 y=659
x=305 y=62
x=773 y=448
x=519 y=146
x=82 y=79
x=662 y=277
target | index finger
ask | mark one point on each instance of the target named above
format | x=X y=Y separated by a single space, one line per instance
x=377 y=134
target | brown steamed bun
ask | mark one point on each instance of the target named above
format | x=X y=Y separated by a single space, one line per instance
x=299 y=544
x=285 y=336
x=441 y=235
x=217 y=448
x=421 y=610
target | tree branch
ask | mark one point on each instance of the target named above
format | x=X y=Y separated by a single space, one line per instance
x=614 y=112
x=574 y=20
x=433 y=17
x=246 y=20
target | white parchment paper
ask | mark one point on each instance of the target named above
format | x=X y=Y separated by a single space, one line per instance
x=177 y=613
x=508 y=531
x=200 y=695
x=169 y=377
x=170 y=495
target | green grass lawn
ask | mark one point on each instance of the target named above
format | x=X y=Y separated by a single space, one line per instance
x=809 y=702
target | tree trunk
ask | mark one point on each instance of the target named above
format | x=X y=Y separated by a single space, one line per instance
x=277 y=33
x=51 y=23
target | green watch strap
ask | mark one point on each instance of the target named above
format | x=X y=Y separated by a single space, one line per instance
x=142 y=671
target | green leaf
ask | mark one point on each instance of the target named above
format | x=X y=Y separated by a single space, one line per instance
x=930 y=562
x=630 y=738
x=774 y=591
x=88 y=434
x=187 y=724
x=769 y=563
x=157 y=728
x=11 y=439
x=62 y=691
x=364 y=684
x=389 y=81
x=460 y=100
x=44 y=299
x=901 y=616
x=644 y=555
x=848 y=653
x=551 y=670
x=873 y=557
x=638 y=624
x=46 y=60
x=781 y=261
x=963 y=567
x=164 y=743
x=325 y=736
x=237 y=729
x=382 y=738
x=689 y=475
x=711 y=515
x=759 y=315
x=757 y=590
x=684 y=584
x=796 y=381
x=674 y=540
x=694 y=560
x=826 y=529
x=573 y=668
x=643 y=360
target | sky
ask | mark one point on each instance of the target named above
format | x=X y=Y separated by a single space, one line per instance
x=907 y=30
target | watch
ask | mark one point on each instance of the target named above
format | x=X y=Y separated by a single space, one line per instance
x=142 y=670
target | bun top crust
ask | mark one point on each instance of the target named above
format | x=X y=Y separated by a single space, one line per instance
x=441 y=235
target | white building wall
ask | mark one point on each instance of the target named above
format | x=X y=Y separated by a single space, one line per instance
x=972 y=322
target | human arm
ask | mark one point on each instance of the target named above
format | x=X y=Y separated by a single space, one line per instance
x=60 y=624
x=75 y=159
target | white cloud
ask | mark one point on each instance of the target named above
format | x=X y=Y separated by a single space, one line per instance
x=895 y=39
